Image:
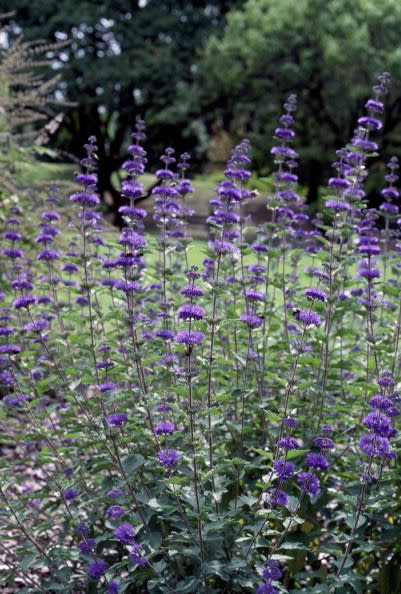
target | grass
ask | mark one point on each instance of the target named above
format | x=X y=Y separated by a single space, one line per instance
x=36 y=172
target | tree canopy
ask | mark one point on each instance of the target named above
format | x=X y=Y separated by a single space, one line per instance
x=327 y=52
x=183 y=65
x=125 y=59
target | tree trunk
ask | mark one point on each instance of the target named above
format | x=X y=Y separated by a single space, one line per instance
x=313 y=180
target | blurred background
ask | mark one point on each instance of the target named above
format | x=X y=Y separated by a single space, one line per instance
x=203 y=74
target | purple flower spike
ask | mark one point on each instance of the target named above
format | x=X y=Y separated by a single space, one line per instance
x=15 y=400
x=380 y=402
x=379 y=423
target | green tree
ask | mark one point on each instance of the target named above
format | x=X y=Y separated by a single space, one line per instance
x=125 y=58
x=327 y=51
x=27 y=111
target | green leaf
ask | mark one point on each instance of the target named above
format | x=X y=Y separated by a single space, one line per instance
x=189 y=585
x=273 y=416
x=293 y=546
x=295 y=453
x=351 y=519
x=132 y=463
x=215 y=568
x=28 y=560
x=267 y=455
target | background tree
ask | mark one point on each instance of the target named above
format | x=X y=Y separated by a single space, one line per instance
x=28 y=113
x=125 y=58
x=327 y=51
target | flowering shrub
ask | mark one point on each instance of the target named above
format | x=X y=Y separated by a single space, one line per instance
x=218 y=429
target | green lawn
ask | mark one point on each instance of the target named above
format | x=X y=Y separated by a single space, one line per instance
x=39 y=172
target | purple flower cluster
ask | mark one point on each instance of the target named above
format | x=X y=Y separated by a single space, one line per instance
x=87 y=392
x=87 y=198
x=271 y=573
x=117 y=419
x=115 y=511
x=190 y=312
x=132 y=238
x=97 y=568
x=347 y=185
x=315 y=461
x=285 y=469
x=165 y=428
x=126 y=534
x=12 y=235
x=288 y=206
x=390 y=192
x=169 y=458
x=307 y=317
x=376 y=444
x=226 y=206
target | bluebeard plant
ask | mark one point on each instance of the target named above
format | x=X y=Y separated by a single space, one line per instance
x=227 y=426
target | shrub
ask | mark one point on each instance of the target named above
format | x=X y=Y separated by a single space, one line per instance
x=225 y=428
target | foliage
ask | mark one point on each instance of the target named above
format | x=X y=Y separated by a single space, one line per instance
x=142 y=55
x=27 y=104
x=226 y=429
x=325 y=52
